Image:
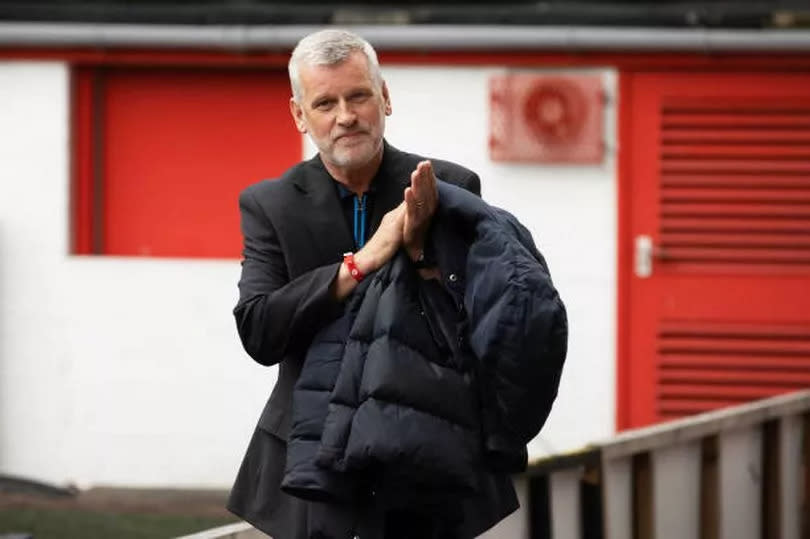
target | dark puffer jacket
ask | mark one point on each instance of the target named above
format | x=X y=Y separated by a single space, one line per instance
x=405 y=407
x=397 y=325
x=429 y=378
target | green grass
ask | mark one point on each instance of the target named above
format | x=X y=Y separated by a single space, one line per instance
x=76 y=524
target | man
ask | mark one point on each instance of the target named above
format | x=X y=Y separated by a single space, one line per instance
x=358 y=196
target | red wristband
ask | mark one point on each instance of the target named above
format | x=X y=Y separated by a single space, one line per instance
x=354 y=271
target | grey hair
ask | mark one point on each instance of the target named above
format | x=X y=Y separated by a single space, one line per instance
x=328 y=48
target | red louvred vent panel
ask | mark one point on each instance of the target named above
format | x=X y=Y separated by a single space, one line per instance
x=735 y=182
x=703 y=366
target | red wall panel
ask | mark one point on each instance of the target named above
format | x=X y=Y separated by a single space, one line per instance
x=177 y=147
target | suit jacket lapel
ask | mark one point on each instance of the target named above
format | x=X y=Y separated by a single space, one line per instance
x=391 y=180
x=322 y=215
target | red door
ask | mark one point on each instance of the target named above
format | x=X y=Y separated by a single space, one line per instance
x=717 y=259
x=166 y=152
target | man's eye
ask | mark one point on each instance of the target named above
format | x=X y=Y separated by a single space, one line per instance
x=358 y=97
x=323 y=105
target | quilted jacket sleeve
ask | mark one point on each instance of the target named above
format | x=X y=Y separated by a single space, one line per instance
x=518 y=332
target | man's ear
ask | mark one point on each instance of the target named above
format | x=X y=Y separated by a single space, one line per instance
x=298 y=115
x=386 y=99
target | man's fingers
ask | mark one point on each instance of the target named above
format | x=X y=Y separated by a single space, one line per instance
x=423 y=183
x=416 y=182
x=420 y=198
x=427 y=188
x=410 y=200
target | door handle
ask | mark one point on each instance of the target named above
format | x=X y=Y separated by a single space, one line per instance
x=643 y=262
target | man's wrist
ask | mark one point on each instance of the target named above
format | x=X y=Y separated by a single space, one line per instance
x=364 y=261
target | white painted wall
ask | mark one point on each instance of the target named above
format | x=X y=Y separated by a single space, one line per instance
x=129 y=371
x=112 y=370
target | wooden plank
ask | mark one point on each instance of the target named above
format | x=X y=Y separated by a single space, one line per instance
x=642 y=497
x=740 y=467
x=790 y=449
x=676 y=488
x=617 y=484
x=709 y=489
x=771 y=480
x=590 y=503
x=566 y=513
x=744 y=415
x=539 y=506
x=584 y=456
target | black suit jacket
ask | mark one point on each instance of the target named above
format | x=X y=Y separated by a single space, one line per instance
x=295 y=235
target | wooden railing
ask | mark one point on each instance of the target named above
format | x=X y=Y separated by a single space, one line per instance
x=737 y=473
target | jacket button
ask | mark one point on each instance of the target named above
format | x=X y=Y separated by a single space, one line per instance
x=452 y=278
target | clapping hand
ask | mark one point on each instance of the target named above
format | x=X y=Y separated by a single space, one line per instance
x=421 y=199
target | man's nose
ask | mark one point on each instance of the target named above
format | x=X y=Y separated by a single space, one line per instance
x=346 y=115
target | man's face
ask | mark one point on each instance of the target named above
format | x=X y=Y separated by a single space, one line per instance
x=343 y=110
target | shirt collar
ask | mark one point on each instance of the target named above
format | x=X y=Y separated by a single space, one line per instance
x=345 y=192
